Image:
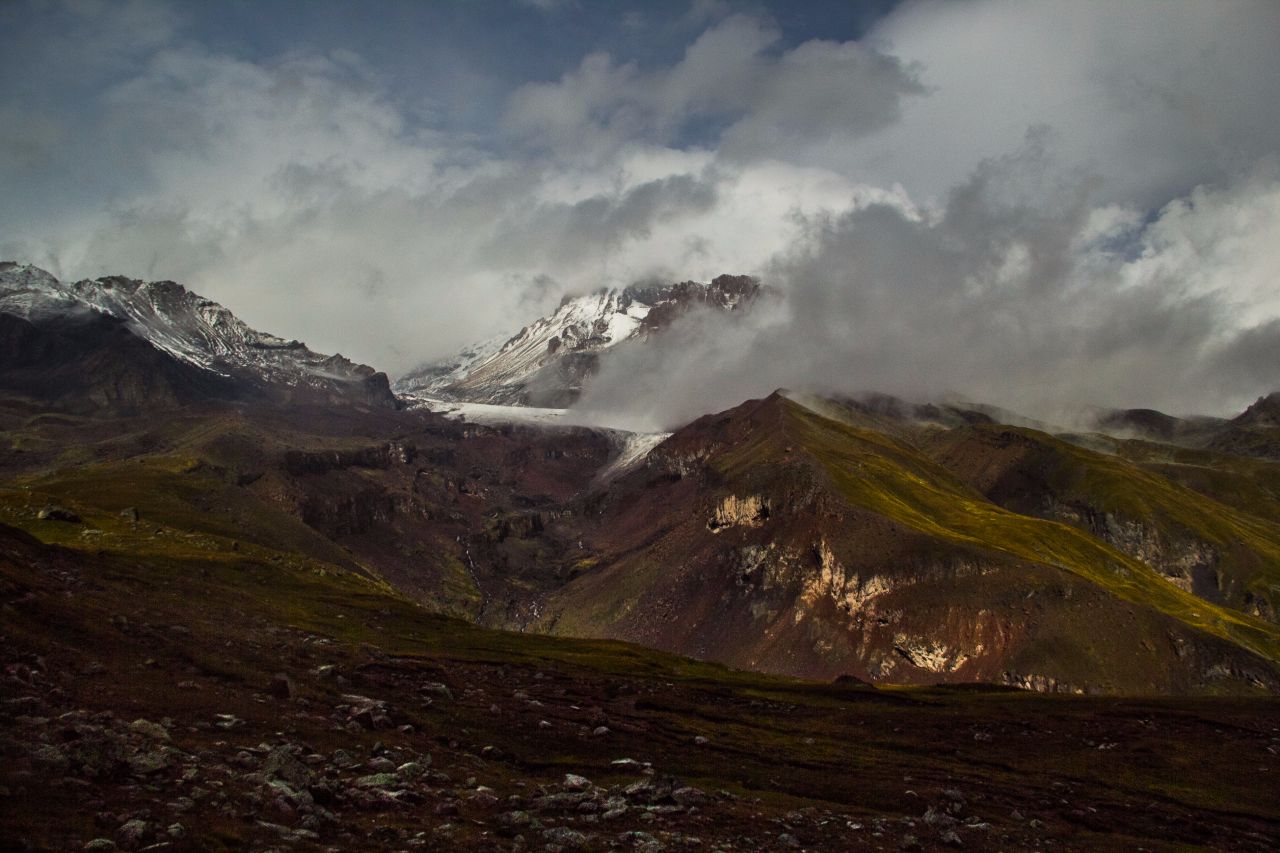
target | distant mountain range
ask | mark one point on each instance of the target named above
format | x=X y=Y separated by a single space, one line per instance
x=865 y=536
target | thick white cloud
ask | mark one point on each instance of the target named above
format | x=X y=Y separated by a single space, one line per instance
x=297 y=192
x=1156 y=96
x=1042 y=304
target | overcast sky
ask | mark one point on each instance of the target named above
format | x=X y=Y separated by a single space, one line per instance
x=1034 y=203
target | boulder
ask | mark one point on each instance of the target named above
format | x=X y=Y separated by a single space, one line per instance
x=58 y=513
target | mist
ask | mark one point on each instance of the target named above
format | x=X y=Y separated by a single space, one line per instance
x=1044 y=308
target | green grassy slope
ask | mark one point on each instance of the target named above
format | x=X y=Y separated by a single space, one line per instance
x=1243 y=535
x=876 y=473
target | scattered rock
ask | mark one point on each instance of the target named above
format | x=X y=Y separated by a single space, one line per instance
x=281 y=763
x=378 y=780
x=227 y=721
x=134 y=832
x=689 y=796
x=483 y=798
x=58 y=513
x=414 y=769
x=281 y=686
x=146 y=763
x=438 y=690
x=574 y=782
x=567 y=838
x=155 y=731
x=49 y=755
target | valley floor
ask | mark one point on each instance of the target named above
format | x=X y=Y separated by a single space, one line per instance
x=242 y=701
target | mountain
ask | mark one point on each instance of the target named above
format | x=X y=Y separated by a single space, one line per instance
x=1254 y=432
x=365 y=626
x=1265 y=412
x=1220 y=551
x=548 y=362
x=72 y=341
x=777 y=538
x=869 y=537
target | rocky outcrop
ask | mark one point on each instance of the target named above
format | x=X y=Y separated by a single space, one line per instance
x=1188 y=564
x=300 y=462
x=733 y=511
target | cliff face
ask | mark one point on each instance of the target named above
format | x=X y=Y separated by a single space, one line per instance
x=94 y=363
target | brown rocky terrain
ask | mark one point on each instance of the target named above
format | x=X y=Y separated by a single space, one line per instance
x=208 y=698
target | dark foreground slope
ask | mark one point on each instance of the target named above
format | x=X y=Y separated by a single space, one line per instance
x=204 y=696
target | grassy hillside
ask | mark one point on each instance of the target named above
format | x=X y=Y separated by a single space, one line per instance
x=1235 y=545
x=874 y=472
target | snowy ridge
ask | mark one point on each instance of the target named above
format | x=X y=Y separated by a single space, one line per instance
x=585 y=324
x=185 y=325
x=547 y=362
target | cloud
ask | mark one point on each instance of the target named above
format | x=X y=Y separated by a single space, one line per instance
x=998 y=297
x=282 y=186
x=1024 y=202
x=548 y=6
x=1156 y=97
x=731 y=86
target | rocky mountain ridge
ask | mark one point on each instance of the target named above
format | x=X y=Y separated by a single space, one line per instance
x=194 y=331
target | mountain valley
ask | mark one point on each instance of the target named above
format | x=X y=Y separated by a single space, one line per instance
x=302 y=584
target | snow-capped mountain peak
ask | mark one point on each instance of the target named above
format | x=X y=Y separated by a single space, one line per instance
x=189 y=328
x=547 y=362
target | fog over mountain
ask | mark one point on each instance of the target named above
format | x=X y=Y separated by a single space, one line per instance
x=1036 y=204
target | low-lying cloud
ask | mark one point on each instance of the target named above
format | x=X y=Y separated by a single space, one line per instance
x=1043 y=307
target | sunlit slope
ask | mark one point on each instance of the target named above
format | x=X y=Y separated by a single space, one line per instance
x=876 y=473
x=1225 y=552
